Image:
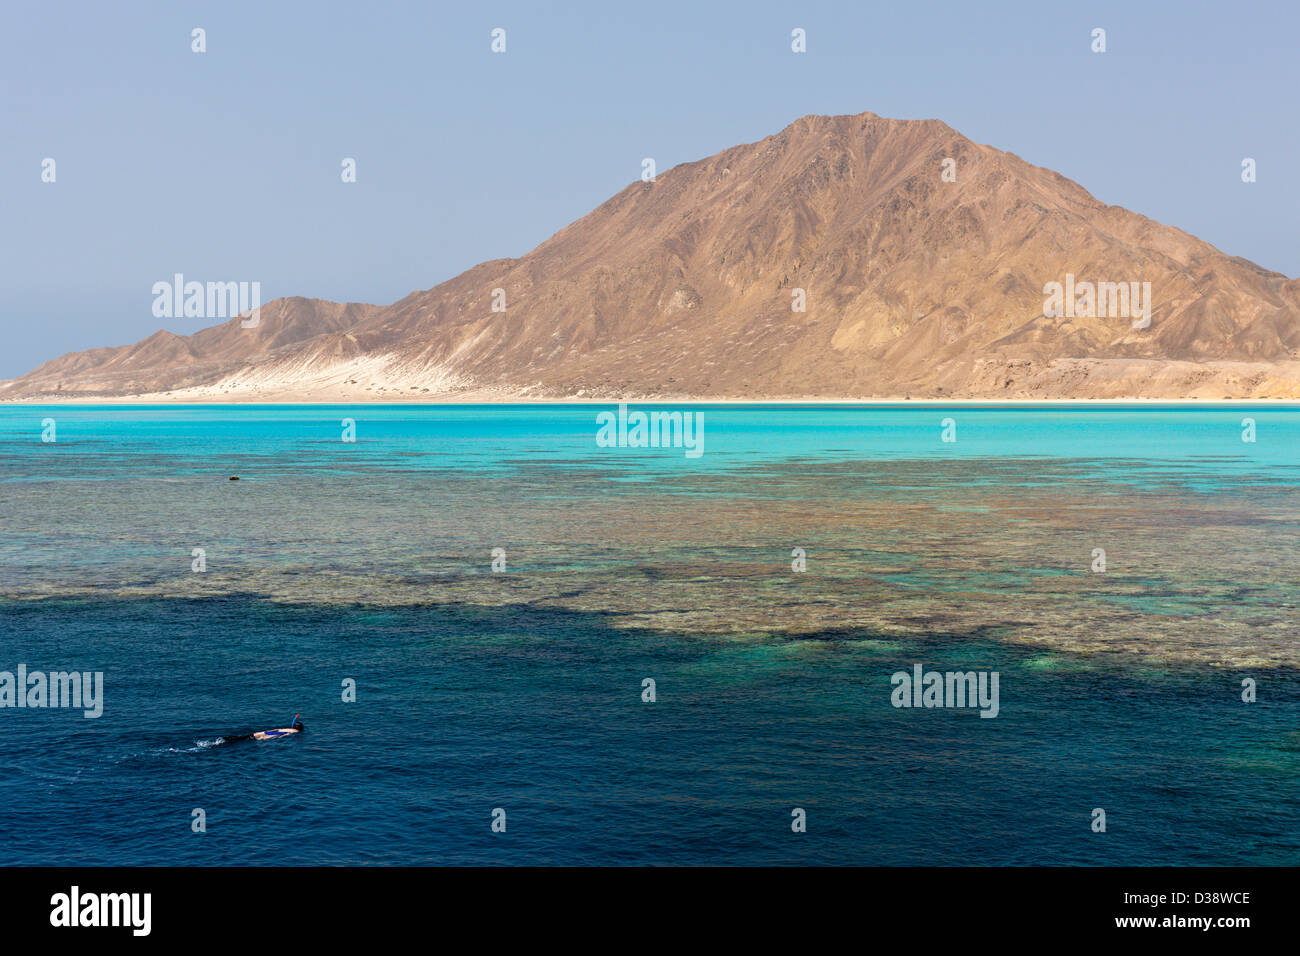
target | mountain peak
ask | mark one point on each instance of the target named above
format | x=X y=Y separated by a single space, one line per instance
x=848 y=256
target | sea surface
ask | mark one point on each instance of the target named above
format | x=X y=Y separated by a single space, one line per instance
x=521 y=690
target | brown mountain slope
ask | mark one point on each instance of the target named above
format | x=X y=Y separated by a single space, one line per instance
x=683 y=287
x=165 y=361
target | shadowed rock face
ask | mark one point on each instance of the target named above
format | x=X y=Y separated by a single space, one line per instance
x=683 y=288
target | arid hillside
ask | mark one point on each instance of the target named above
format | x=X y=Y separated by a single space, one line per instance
x=917 y=277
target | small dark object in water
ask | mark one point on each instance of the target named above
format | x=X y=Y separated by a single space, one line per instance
x=234 y=477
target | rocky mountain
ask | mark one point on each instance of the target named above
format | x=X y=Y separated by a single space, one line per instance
x=920 y=259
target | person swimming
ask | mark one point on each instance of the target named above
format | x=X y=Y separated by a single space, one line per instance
x=295 y=727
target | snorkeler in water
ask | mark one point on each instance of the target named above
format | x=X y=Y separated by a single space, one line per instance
x=295 y=727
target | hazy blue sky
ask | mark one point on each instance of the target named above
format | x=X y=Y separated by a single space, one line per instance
x=225 y=165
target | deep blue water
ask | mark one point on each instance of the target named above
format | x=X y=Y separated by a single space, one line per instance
x=477 y=691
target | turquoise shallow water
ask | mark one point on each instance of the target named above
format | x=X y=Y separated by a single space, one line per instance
x=522 y=690
x=1148 y=439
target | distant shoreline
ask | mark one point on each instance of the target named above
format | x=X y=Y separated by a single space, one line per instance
x=128 y=402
